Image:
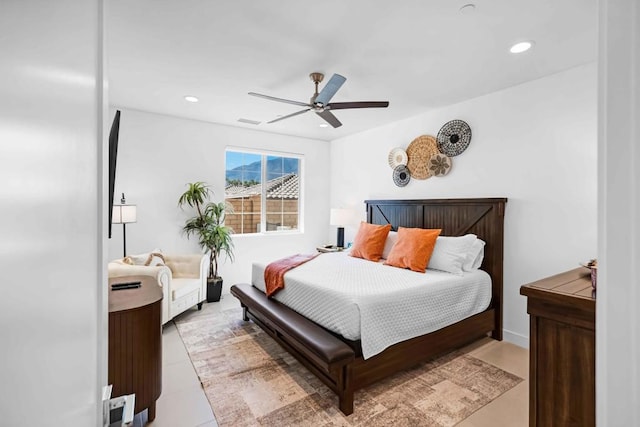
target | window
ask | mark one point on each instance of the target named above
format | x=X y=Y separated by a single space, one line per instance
x=264 y=191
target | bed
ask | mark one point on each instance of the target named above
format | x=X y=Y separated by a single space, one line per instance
x=376 y=304
x=339 y=362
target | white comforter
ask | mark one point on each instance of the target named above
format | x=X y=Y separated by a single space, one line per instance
x=378 y=304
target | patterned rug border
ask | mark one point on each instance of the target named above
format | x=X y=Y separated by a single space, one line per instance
x=264 y=385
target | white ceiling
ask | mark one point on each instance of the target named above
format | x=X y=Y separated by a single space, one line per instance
x=417 y=54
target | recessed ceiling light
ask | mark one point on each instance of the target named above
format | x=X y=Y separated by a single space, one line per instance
x=324 y=125
x=190 y=98
x=521 y=47
x=468 y=9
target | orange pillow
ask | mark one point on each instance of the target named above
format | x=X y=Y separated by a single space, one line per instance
x=413 y=248
x=369 y=241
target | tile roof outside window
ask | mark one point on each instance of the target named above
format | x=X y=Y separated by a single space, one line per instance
x=285 y=187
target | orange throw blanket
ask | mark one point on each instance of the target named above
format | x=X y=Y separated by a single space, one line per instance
x=274 y=273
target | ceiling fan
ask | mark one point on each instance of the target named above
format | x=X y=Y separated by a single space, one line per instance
x=319 y=102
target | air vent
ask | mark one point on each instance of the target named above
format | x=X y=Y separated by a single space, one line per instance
x=250 y=122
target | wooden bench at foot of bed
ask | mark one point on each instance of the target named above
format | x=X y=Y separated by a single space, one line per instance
x=317 y=349
x=334 y=361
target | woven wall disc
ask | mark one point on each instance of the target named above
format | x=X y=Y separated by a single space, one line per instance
x=397 y=157
x=439 y=164
x=419 y=152
x=454 y=137
x=401 y=176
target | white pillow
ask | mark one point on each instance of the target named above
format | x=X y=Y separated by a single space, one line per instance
x=392 y=238
x=450 y=253
x=475 y=256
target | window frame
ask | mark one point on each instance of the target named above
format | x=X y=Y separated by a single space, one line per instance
x=263 y=195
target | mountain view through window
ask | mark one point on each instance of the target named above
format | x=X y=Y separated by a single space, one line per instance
x=264 y=191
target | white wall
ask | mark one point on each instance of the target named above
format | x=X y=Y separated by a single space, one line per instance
x=53 y=305
x=617 y=318
x=158 y=155
x=534 y=144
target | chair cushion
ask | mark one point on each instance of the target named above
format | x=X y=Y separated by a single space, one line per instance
x=182 y=287
x=184 y=267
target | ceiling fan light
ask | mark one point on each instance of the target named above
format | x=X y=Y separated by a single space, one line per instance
x=191 y=98
x=521 y=47
x=324 y=125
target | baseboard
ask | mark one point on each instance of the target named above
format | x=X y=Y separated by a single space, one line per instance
x=515 y=338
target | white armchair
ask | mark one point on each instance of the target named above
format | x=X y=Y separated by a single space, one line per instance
x=183 y=280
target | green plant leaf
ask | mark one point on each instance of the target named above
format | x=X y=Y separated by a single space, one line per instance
x=208 y=225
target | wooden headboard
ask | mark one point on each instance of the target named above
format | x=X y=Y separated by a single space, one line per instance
x=456 y=217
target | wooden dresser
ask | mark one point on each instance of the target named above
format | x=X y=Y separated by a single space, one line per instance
x=562 y=350
x=135 y=342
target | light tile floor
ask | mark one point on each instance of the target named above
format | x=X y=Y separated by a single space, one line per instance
x=512 y=408
x=184 y=404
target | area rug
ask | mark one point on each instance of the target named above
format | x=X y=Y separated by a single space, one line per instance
x=251 y=381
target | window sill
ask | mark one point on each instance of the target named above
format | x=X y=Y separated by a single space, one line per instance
x=270 y=234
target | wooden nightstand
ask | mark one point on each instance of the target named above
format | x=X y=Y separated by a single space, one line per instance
x=135 y=342
x=562 y=349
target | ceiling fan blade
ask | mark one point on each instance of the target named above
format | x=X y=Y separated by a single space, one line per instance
x=330 y=89
x=289 y=115
x=273 y=98
x=330 y=118
x=364 y=104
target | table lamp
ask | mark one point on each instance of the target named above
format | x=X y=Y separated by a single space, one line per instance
x=340 y=217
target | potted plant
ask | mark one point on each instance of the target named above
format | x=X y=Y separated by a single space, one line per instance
x=209 y=227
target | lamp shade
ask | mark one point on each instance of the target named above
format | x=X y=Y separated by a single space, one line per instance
x=124 y=214
x=341 y=217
